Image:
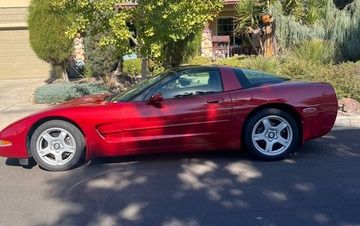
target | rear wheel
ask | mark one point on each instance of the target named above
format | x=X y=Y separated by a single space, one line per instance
x=271 y=134
x=57 y=145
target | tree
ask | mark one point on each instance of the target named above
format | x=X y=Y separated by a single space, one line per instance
x=291 y=32
x=152 y=26
x=253 y=20
x=343 y=28
x=47 y=29
x=174 y=53
x=305 y=11
x=162 y=22
x=340 y=4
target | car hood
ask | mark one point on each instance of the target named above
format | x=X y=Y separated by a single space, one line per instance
x=63 y=108
x=84 y=101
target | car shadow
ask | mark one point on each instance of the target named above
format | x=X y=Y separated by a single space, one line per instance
x=15 y=162
x=318 y=185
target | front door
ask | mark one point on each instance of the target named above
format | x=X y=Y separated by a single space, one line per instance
x=194 y=114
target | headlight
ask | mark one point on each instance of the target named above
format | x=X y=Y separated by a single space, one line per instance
x=5 y=143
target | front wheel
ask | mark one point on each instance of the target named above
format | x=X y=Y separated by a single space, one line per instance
x=57 y=145
x=271 y=134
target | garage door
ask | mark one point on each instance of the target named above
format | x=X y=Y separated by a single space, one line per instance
x=17 y=60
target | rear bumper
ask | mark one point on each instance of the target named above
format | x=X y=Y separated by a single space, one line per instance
x=320 y=123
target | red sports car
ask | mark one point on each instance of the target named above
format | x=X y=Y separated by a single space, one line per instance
x=196 y=108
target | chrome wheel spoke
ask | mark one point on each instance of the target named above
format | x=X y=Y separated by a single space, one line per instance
x=48 y=137
x=69 y=148
x=45 y=151
x=269 y=146
x=284 y=142
x=62 y=135
x=266 y=123
x=58 y=158
x=281 y=126
x=258 y=137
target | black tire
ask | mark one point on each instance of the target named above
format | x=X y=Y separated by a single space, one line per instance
x=254 y=147
x=78 y=145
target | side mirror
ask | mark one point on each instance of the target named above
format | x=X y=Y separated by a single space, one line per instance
x=156 y=99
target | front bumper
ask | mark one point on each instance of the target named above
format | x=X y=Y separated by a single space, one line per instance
x=13 y=145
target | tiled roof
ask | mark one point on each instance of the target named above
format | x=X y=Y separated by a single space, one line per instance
x=231 y=2
x=129 y=3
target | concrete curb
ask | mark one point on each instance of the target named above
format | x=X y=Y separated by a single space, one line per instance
x=350 y=120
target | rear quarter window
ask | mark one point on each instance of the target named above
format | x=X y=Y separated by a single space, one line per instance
x=250 y=78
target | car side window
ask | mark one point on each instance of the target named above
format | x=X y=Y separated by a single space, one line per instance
x=249 y=78
x=191 y=83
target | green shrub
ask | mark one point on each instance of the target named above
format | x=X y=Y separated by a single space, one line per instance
x=155 y=67
x=231 y=62
x=315 y=51
x=100 y=60
x=47 y=33
x=60 y=92
x=199 y=60
x=345 y=77
x=267 y=64
x=132 y=67
x=174 y=53
x=254 y=62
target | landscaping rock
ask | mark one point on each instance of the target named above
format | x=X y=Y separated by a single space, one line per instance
x=348 y=105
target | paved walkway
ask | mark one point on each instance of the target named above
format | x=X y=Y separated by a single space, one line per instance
x=16 y=99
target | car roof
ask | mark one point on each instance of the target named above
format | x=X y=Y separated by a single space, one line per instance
x=188 y=67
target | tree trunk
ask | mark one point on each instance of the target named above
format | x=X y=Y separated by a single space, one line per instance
x=119 y=67
x=268 y=42
x=252 y=43
x=144 y=68
x=65 y=73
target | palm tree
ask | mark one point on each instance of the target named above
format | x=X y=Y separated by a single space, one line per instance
x=248 y=20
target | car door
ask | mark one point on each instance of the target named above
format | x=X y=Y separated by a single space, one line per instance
x=194 y=114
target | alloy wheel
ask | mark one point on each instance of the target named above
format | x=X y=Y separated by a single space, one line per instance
x=272 y=135
x=56 y=146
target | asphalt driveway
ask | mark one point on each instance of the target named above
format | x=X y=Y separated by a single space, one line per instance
x=319 y=185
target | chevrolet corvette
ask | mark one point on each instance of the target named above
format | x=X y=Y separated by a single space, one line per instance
x=192 y=108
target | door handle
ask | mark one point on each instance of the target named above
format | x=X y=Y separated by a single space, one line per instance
x=215 y=101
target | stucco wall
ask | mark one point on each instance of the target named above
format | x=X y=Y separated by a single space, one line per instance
x=17 y=60
x=14 y=3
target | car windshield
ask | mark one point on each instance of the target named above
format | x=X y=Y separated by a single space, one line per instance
x=139 y=88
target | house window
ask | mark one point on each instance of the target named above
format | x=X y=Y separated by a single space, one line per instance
x=226 y=26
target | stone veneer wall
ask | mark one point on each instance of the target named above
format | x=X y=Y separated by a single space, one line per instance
x=79 y=48
x=206 y=43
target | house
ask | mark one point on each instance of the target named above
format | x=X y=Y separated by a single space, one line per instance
x=220 y=32
x=17 y=59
